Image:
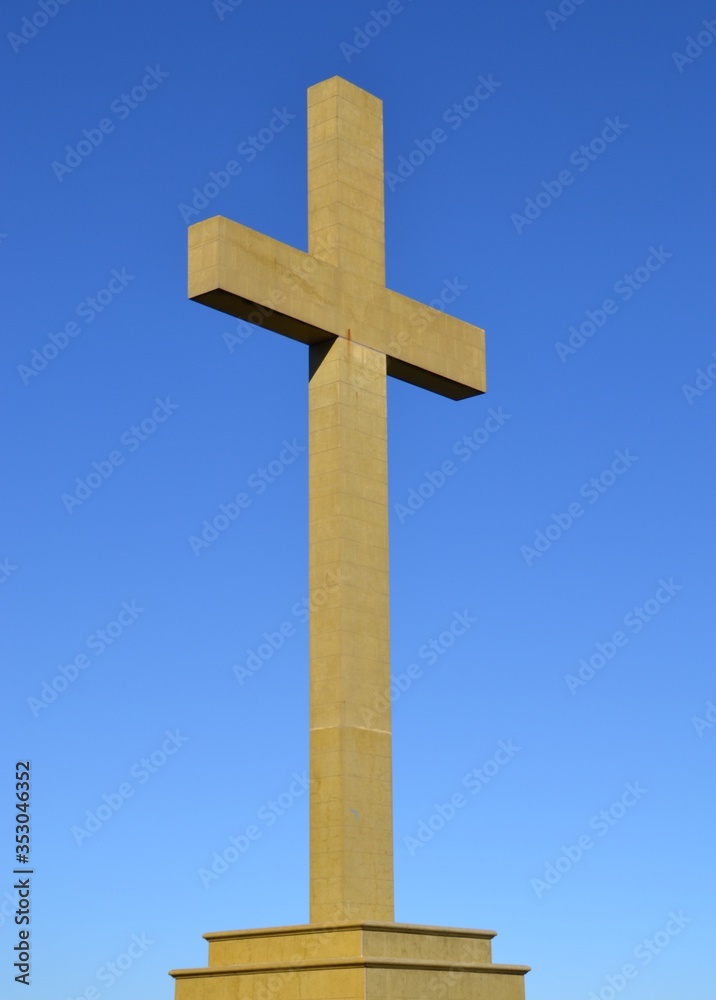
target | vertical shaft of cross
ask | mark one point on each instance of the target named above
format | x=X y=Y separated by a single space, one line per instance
x=350 y=740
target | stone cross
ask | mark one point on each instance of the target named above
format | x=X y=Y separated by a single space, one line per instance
x=334 y=299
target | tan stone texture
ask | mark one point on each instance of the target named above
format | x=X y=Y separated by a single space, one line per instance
x=350 y=753
x=347 y=961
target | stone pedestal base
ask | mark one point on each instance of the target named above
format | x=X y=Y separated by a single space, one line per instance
x=349 y=961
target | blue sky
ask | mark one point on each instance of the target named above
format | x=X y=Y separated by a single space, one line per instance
x=570 y=212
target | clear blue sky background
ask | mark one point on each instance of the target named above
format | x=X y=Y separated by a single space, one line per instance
x=455 y=218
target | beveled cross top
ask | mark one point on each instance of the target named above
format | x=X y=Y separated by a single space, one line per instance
x=334 y=299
